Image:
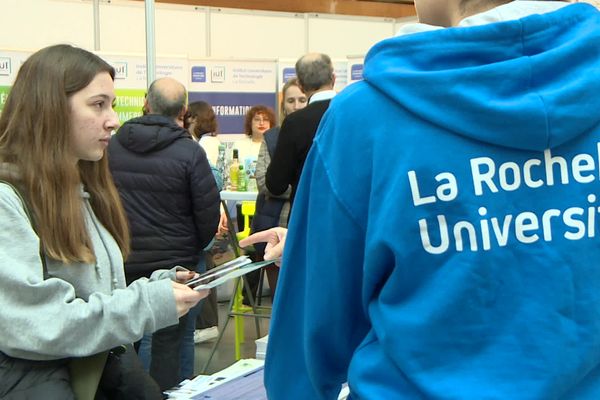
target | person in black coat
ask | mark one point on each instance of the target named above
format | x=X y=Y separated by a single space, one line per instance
x=316 y=79
x=171 y=201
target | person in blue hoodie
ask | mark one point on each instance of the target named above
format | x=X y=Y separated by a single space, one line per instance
x=461 y=259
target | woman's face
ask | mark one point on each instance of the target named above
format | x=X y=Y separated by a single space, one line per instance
x=93 y=118
x=293 y=100
x=260 y=124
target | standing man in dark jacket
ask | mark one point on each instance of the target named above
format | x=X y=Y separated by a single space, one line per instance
x=316 y=79
x=171 y=200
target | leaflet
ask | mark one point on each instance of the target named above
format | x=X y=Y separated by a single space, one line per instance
x=225 y=272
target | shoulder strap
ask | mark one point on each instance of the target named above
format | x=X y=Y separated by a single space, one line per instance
x=31 y=221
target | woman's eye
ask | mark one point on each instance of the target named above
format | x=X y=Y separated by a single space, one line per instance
x=99 y=104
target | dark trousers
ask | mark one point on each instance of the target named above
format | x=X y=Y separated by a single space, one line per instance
x=209 y=313
x=166 y=347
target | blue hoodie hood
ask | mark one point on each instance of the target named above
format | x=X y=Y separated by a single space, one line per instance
x=471 y=81
x=444 y=242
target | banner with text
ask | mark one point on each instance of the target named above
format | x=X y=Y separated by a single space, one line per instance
x=130 y=77
x=355 y=68
x=10 y=62
x=130 y=80
x=232 y=87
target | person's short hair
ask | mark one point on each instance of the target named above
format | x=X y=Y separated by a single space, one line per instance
x=257 y=110
x=206 y=120
x=161 y=104
x=314 y=71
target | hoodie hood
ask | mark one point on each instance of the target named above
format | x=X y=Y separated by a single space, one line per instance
x=527 y=83
x=150 y=133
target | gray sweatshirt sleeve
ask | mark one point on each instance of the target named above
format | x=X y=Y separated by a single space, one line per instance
x=43 y=319
x=264 y=159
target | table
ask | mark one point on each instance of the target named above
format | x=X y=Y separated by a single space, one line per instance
x=232 y=195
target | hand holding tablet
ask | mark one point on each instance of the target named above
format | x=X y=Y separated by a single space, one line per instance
x=230 y=270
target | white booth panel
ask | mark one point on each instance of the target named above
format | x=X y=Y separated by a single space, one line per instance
x=178 y=29
x=339 y=37
x=33 y=24
x=123 y=27
x=181 y=30
x=251 y=34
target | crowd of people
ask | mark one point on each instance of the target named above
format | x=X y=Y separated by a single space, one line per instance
x=442 y=218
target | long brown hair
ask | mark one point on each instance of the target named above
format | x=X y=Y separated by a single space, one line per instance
x=35 y=136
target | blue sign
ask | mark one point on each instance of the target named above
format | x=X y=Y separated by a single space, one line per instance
x=356 y=72
x=199 y=74
x=288 y=73
x=231 y=108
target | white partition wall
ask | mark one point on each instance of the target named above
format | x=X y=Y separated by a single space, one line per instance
x=179 y=29
x=339 y=36
x=196 y=32
x=256 y=34
x=33 y=24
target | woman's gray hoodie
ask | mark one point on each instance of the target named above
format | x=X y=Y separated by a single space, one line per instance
x=81 y=309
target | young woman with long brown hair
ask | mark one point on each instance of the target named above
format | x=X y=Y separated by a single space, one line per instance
x=61 y=268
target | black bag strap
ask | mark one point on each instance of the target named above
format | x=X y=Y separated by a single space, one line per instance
x=31 y=221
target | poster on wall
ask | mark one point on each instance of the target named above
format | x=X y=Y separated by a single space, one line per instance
x=355 y=68
x=232 y=87
x=340 y=68
x=10 y=62
x=130 y=80
x=130 y=77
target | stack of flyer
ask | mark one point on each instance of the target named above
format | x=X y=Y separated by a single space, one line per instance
x=261 y=347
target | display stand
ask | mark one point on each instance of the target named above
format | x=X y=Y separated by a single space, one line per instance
x=257 y=310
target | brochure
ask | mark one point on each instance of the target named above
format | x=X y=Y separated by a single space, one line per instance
x=230 y=270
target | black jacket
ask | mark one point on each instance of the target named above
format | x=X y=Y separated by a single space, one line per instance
x=168 y=191
x=295 y=139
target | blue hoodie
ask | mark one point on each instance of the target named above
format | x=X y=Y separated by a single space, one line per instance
x=445 y=240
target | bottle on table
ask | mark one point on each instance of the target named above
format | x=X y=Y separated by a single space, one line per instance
x=241 y=186
x=221 y=165
x=234 y=171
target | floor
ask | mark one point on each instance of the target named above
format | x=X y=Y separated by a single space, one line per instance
x=225 y=353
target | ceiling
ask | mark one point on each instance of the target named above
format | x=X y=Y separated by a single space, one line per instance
x=374 y=8
x=393 y=1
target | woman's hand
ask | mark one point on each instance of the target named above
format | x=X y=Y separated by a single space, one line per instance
x=223 y=228
x=275 y=239
x=186 y=298
x=184 y=276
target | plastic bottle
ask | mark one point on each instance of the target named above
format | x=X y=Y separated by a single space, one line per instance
x=221 y=165
x=241 y=186
x=234 y=171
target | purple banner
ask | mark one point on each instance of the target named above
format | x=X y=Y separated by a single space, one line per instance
x=231 y=108
x=288 y=73
x=356 y=72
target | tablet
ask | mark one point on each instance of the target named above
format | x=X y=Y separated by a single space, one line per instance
x=230 y=270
